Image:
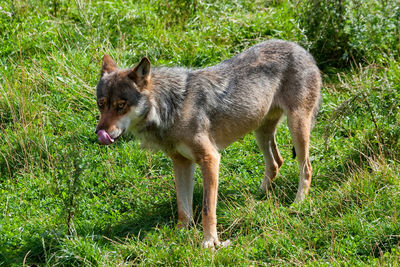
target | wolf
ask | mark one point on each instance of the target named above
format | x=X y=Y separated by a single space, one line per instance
x=191 y=114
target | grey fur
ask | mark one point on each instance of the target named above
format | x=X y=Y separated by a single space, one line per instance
x=275 y=73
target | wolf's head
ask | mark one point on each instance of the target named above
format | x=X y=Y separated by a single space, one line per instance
x=122 y=98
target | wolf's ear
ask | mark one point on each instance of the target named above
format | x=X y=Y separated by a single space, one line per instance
x=108 y=65
x=141 y=72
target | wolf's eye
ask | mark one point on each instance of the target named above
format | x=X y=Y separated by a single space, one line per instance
x=101 y=102
x=121 y=106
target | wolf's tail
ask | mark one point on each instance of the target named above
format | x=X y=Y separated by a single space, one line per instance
x=313 y=119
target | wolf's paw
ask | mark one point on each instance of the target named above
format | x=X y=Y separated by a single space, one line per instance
x=300 y=196
x=225 y=244
x=298 y=200
x=210 y=242
x=265 y=186
x=214 y=243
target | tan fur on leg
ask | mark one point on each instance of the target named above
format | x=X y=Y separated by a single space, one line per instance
x=208 y=159
x=184 y=180
x=300 y=125
x=265 y=136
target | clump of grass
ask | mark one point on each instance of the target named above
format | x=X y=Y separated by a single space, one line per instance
x=340 y=33
x=368 y=97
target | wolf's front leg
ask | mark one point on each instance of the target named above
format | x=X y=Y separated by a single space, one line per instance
x=184 y=180
x=209 y=163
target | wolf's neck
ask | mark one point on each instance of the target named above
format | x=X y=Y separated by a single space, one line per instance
x=168 y=91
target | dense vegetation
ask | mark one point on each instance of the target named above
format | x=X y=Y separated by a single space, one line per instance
x=66 y=200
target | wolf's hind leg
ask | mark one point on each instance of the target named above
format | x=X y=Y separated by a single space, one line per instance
x=265 y=136
x=299 y=123
x=184 y=181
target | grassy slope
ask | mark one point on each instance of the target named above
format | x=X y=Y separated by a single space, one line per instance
x=118 y=202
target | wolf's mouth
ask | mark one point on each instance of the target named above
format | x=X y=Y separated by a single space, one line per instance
x=104 y=138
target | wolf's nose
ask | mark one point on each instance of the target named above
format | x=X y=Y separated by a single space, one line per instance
x=96 y=131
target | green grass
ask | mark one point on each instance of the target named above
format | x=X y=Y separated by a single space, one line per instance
x=66 y=200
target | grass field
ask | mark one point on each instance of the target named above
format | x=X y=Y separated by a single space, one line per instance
x=66 y=200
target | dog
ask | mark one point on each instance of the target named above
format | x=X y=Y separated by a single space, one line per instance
x=192 y=114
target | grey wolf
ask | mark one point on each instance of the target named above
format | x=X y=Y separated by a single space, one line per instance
x=192 y=114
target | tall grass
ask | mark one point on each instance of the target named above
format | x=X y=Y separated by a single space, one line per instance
x=66 y=200
x=342 y=33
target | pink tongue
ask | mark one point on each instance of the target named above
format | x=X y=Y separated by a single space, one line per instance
x=104 y=138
